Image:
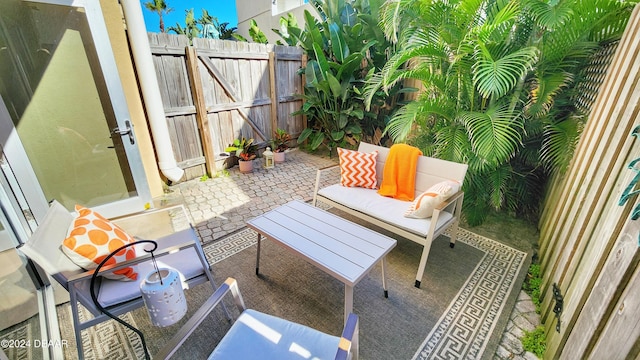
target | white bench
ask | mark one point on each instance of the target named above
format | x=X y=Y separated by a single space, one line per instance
x=388 y=213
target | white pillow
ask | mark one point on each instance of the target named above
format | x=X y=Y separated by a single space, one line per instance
x=423 y=206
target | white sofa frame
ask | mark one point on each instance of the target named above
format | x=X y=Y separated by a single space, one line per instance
x=430 y=171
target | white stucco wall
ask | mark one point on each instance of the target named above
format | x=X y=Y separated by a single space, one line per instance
x=261 y=12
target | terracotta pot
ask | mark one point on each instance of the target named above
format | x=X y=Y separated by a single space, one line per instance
x=245 y=166
x=279 y=157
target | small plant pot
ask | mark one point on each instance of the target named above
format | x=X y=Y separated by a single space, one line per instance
x=279 y=157
x=245 y=166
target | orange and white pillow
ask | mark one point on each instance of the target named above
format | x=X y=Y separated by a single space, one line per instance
x=358 y=169
x=423 y=206
x=91 y=238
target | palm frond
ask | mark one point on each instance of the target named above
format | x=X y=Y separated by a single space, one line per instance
x=546 y=88
x=495 y=133
x=402 y=122
x=452 y=143
x=499 y=76
x=550 y=16
x=560 y=142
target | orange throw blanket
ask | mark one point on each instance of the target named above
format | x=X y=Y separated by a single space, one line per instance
x=399 y=174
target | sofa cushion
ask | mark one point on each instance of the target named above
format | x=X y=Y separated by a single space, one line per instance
x=114 y=292
x=384 y=208
x=256 y=335
x=358 y=169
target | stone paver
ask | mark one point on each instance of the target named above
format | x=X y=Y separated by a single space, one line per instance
x=222 y=205
x=523 y=318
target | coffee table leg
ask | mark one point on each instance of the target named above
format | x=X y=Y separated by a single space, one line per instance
x=258 y=255
x=348 y=301
x=384 y=276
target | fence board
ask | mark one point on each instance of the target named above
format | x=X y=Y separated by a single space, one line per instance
x=237 y=92
x=623 y=256
x=620 y=335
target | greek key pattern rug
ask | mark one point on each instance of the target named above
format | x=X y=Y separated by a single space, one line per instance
x=463 y=331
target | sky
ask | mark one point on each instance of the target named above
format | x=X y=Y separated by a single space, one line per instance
x=224 y=10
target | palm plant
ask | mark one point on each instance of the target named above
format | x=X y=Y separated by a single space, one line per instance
x=497 y=76
x=159 y=7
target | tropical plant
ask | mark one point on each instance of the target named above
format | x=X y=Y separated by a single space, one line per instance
x=206 y=26
x=256 y=34
x=191 y=30
x=159 y=7
x=497 y=78
x=243 y=148
x=344 y=46
x=226 y=32
x=279 y=142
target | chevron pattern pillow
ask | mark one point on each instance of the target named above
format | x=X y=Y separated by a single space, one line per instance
x=358 y=169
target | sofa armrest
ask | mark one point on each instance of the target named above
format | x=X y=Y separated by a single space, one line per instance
x=318 y=179
x=455 y=197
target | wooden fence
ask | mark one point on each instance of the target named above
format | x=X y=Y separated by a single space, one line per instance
x=216 y=91
x=589 y=247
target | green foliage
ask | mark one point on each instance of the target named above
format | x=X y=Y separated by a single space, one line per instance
x=256 y=34
x=535 y=341
x=204 y=177
x=498 y=80
x=279 y=142
x=344 y=47
x=532 y=285
x=206 y=26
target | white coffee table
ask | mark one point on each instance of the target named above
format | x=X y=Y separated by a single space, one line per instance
x=342 y=249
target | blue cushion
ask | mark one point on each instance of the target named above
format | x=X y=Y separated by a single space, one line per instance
x=255 y=335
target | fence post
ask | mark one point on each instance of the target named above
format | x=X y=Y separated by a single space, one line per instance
x=202 y=117
x=274 y=91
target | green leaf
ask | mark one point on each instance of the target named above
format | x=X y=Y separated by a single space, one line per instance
x=304 y=135
x=316 y=140
x=334 y=84
x=312 y=72
x=337 y=135
x=321 y=59
x=338 y=45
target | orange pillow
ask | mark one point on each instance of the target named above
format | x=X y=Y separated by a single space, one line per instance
x=91 y=237
x=358 y=169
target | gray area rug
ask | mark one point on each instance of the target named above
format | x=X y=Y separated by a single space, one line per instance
x=450 y=317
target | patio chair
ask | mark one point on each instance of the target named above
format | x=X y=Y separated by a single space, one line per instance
x=256 y=335
x=180 y=250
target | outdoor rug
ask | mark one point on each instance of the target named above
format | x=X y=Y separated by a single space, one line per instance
x=451 y=316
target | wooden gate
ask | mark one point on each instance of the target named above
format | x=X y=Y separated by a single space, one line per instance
x=216 y=91
x=588 y=243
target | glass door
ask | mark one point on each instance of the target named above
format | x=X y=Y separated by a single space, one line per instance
x=65 y=109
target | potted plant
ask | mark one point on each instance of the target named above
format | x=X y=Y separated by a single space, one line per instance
x=234 y=151
x=246 y=154
x=279 y=145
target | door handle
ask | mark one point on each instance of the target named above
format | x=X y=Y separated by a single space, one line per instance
x=128 y=131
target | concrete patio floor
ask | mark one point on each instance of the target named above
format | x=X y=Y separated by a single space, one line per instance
x=221 y=205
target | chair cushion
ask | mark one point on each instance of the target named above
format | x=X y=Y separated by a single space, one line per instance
x=423 y=206
x=255 y=335
x=384 y=208
x=186 y=262
x=92 y=237
x=358 y=169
